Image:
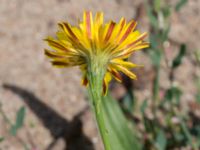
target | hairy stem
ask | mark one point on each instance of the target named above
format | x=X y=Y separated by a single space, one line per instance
x=96 y=74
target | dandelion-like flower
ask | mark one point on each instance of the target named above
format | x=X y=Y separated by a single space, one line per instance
x=97 y=46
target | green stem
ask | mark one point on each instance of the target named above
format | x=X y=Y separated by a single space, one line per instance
x=96 y=74
x=156 y=87
x=156 y=84
x=187 y=133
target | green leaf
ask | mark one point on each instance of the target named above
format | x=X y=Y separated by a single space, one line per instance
x=197 y=56
x=156 y=84
x=172 y=94
x=153 y=40
x=152 y=18
x=187 y=133
x=198 y=84
x=179 y=136
x=197 y=130
x=1 y=139
x=165 y=33
x=128 y=100
x=178 y=60
x=161 y=140
x=180 y=4
x=166 y=11
x=157 y=5
x=197 y=81
x=155 y=56
x=121 y=137
x=198 y=98
x=143 y=106
x=19 y=121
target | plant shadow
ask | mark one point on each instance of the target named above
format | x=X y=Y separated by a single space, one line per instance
x=59 y=127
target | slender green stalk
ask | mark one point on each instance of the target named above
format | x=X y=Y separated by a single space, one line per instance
x=156 y=84
x=96 y=73
x=156 y=87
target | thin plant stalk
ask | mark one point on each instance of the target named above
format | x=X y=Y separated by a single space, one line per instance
x=95 y=76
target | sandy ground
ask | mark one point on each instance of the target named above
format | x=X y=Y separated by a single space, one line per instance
x=54 y=98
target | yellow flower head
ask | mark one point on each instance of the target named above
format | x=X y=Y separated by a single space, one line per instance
x=110 y=43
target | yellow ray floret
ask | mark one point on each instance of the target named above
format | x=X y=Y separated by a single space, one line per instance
x=75 y=46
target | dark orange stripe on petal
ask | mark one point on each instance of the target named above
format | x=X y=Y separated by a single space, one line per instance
x=126 y=71
x=121 y=27
x=128 y=31
x=66 y=25
x=88 y=24
x=116 y=75
x=109 y=32
x=61 y=64
x=51 y=54
x=143 y=36
x=73 y=38
x=56 y=44
x=145 y=45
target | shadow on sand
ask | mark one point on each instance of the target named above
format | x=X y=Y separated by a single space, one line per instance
x=70 y=131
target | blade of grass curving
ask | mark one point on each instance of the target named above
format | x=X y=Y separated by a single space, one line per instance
x=180 y=4
x=178 y=59
x=19 y=121
x=188 y=135
x=161 y=141
x=120 y=135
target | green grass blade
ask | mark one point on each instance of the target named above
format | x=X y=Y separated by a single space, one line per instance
x=178 y=59
x=19 y=121
x=180 y=4
x=161 y=141
x=120 y=135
